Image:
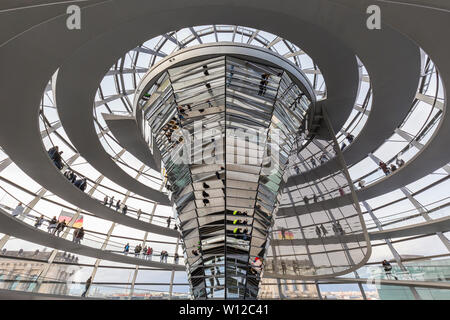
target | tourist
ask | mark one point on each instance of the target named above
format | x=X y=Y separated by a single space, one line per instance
x=263 y=84
x=349 y=137
x=67 y=174
x=384 y=167
x=149 y=253
x=137 y=250
x=111 y=201
x=361 y=184
x=72 y=177
x=399 y=162
x=305 y=199
x=339 y=228
x=283 y=266
x=387 y=269
x=52 y=225
x=335 y=229
x=18 y=210
x=39 y=221
x=60 y=227
x=55 y=155
x=318 y=232
x=144 y=252
x=78 y=235
x=57 y=160
x=81 y=184
x=52 y=151
x=87 y=286
x=295 y=266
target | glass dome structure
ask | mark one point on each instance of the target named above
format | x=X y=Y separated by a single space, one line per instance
x=359 y=175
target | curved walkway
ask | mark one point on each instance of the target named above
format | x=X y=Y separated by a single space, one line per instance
x=422 y=164
x=14 y=227
x=403 y=283
x=102 y=211
x=126 y=131
x=41 y=169
x=394 y=76
x=23 y=295
x=71 y=90
x=429 y=227
x=435 y=154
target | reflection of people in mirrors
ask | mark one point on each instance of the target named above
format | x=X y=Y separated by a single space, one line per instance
x=263 y=84
x=237 y=231
x=256 y=265
x=245 y=236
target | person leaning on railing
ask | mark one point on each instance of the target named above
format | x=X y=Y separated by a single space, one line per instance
x=18 y=210
x=78 y=235
x=87 y=285
x=39 y=221
x=387 y=269
x=52 y=225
